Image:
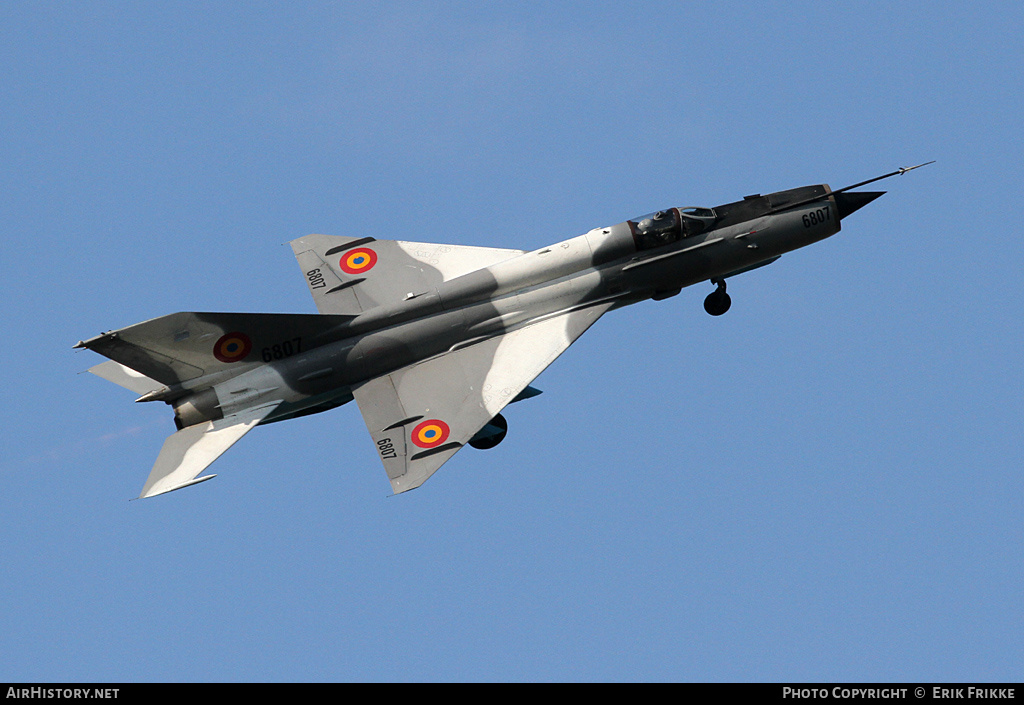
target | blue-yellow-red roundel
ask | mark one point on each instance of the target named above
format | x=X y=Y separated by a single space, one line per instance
x=232 y=347
x=431 y=433
x=358 y=260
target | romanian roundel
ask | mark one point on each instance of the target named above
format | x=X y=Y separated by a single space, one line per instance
x=358 y=260
x=232 y=347
x=430 y=433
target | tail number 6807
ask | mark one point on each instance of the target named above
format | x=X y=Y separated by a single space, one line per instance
x=386 y=448
x=316 y=279
x=816 y=217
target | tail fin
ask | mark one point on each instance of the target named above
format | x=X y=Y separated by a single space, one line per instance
x=182 y=346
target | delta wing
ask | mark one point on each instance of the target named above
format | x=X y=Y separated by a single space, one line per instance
x=421 y=415
x=351 y=275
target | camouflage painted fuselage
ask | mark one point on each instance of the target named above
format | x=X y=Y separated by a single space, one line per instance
x=434 y=340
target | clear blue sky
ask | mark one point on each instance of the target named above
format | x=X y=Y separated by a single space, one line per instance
x=824 y=484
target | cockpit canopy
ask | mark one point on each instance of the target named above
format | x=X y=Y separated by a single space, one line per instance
x=665 y=227
x=702 y=214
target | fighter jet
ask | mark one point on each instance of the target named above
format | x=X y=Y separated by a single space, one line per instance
x=433 y=341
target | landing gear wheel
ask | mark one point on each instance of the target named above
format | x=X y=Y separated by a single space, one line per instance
x=717 y=302
x=492 y=439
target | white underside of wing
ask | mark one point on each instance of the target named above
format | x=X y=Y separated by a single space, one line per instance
x=455 y=260
x=525 y=353
x=460 y=391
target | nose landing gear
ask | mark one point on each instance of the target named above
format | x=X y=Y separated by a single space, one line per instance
x=717 y=302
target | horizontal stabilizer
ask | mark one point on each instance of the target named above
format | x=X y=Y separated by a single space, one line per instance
x=125 y=377
x=188 y=452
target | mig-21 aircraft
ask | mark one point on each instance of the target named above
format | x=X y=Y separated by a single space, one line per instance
x=433 y=341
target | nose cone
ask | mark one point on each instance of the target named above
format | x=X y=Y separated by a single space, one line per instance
x=847 y=202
